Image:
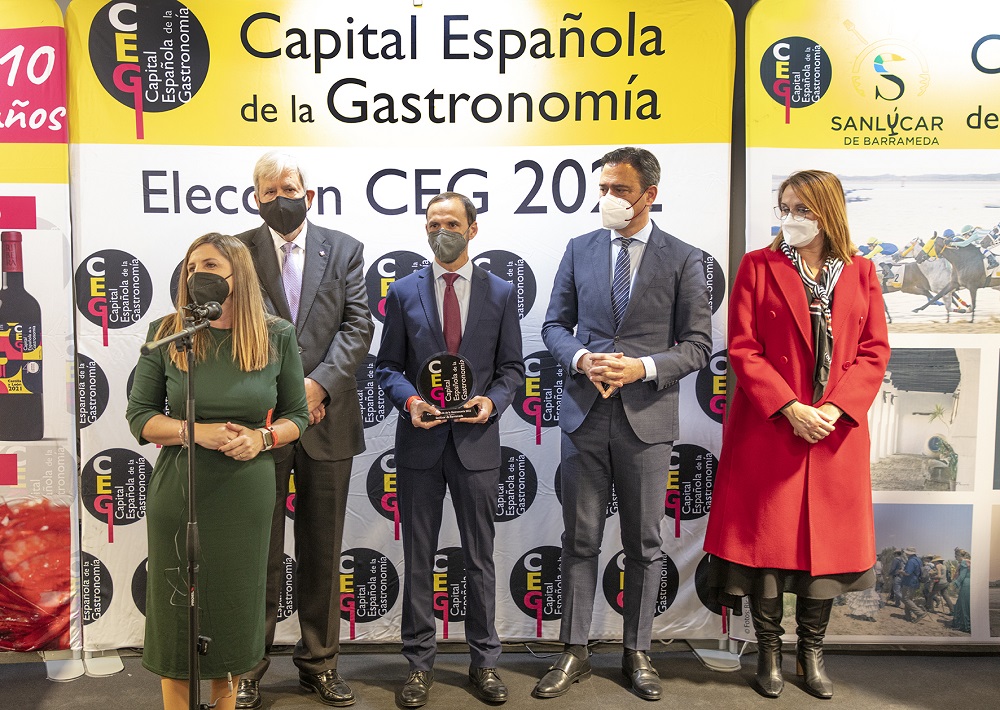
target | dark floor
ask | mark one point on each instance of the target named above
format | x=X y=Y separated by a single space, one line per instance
x=863 y=680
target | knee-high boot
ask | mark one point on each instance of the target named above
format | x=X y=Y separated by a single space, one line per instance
x=766 y=616
x=812 y=616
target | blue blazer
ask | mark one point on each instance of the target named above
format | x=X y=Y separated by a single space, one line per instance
x=412 y=333
x=669 y=318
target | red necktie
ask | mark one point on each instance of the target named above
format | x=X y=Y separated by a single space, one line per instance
x=452 y=315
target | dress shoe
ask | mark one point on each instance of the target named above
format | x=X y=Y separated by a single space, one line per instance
x=489 y=688
x=248 y=694
x=332 y=689
x=641 y=674
x=416 y=689
x=568 y=669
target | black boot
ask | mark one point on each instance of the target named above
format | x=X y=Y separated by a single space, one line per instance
x=812 y=616
x=766 y=616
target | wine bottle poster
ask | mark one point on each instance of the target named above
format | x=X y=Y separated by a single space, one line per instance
x=37 y=403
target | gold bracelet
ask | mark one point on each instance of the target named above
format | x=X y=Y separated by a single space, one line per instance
x=182 y=433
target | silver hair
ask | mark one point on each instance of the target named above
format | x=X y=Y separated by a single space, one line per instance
x=273 y=164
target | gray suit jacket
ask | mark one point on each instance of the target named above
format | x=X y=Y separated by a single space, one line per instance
x=334 y=330
x=669 y=318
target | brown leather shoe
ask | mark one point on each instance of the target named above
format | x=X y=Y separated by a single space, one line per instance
x=488 y=686
x=248 y=694
x=416 y=689
x=332 y=689
x=567 y=669
x=641 y=675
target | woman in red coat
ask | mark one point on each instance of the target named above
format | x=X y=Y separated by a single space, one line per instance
x=792 y=506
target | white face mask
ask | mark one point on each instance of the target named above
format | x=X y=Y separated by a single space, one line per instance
x=798 y=234
x=615 y=212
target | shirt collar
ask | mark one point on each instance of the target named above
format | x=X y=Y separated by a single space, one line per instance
x=465 y=272
x=641 y=236
x=300 y=238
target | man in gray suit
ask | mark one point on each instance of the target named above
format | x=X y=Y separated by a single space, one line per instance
x=313 y=277
x=637 y=299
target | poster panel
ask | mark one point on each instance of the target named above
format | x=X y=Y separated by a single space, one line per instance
x=512 y=104
x=901 y=105
x=39 y=544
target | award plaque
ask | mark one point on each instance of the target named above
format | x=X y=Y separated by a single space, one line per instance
x=445 y=381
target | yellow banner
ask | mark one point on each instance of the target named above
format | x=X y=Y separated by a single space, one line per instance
x=33 y=122
x=919 y=74
x=314 y=72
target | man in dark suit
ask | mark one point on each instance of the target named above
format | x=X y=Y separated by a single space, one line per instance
x=637 y=299
x=313 y=277
x=450 y=306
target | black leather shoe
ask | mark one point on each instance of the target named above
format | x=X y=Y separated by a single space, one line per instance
x=248 y=694
x=643 y=677
x=568 y=669
x=416 y=689
x=332 y=689
x=488 y=686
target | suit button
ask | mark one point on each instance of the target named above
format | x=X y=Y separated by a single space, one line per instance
x=784 y=360
x=861 y=320
x=773 y=314
x=616 y=338
x=847 y=366
x=300 y=350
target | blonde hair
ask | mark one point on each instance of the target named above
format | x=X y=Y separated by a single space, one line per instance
x=252 y=348
x=823 y=194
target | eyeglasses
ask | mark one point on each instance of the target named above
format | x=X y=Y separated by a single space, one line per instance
x=800 y=214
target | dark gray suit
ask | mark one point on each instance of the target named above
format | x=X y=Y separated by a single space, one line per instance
x=625 y=440
x=334 y=330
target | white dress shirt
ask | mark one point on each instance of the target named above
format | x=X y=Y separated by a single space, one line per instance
x=298 y=255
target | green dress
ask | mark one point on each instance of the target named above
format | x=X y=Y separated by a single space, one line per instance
x=235 y=500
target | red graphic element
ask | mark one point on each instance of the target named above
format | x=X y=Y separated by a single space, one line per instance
x=33 y=76
x=783 y=88
x=106 y=504
x=34 y=575
x=347 y=604
x=437 y=394
x=725 y=621
x=99 y=307
x=290 y=503
x=390 y=505
x=673 y=502
x=533 y=408
x=533 y=600
x=8 y=469
x=18 y=212
x=441 y=604
x=132 y=86
x=381 y=308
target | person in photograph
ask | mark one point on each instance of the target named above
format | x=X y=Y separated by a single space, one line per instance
x=629 y=316
x=313 y=277
x=250 y=399
x=962 y=611
x=455 y=307
x=896 y=579
x=792 y=506
x=911 y=586
x=939 y=577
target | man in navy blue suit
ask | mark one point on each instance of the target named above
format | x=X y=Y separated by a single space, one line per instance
x=629 y=317
x=451 y=306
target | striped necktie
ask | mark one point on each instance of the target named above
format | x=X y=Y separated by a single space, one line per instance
x=621 y=282
x=291 y=279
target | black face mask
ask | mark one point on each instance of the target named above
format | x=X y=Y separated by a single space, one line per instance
x=205 y=287
x=283 y=214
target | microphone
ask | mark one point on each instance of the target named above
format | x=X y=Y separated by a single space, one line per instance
x=210 y=311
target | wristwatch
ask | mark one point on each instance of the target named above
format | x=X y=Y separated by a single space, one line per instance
x=268 y=435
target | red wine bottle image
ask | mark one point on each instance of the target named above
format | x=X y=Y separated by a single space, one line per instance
x=21 y=417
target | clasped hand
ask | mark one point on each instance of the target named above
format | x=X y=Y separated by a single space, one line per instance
x=812 y=423
x=234 y=440
x=609 y=371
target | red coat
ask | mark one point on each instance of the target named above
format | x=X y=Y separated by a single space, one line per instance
x=778 y=500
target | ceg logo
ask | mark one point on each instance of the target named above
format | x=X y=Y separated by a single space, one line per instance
x=538 y=402
x=689 y=484
x=386 y=269
x=114 y=487
x=149 y=56
x=369 y=586
x=113 y=290
x=536 y=585
x=381 y=487
x=449 y=587
x=795 y=72
x=710 y=386
x=613 y=582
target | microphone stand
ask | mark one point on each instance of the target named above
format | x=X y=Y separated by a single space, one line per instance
x=197 y=644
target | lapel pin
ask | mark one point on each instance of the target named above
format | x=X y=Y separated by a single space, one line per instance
x=322 y=253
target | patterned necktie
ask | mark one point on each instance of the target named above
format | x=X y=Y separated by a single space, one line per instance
x=622 y=280
x=452 y=315
x=291 y=279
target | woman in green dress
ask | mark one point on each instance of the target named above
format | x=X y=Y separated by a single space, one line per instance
x=250 y=397
x=962 y=612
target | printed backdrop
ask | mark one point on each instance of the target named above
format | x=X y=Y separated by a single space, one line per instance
x=171 y=104
x=901 y=102
x=38 y=513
